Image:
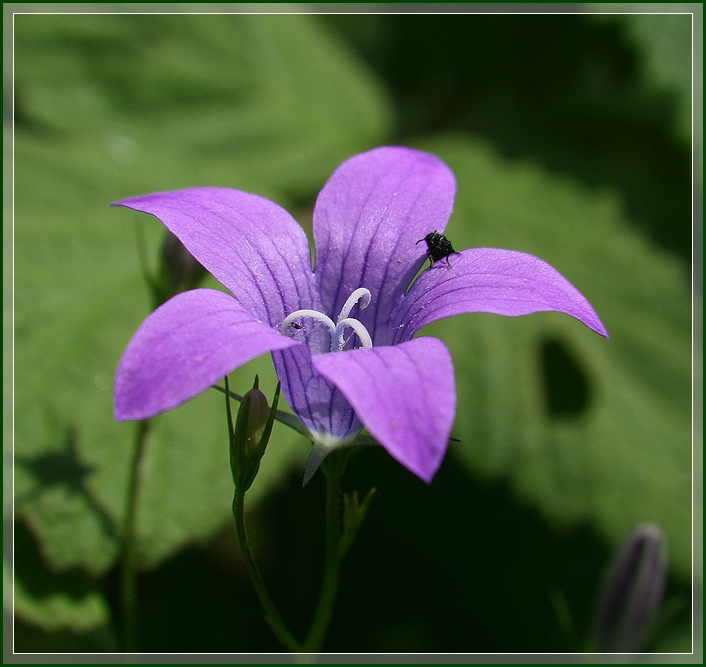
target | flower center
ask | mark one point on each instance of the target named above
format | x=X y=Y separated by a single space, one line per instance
x=343 y=322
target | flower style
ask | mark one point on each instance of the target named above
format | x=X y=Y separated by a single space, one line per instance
x=341 y=334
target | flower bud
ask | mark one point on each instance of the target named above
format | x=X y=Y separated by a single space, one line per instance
x=252 y=419
x=632 y=593
x=252 y=432
x=178 y=270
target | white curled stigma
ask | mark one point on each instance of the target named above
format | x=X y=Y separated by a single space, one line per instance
x=343 y=322
x=313 y=314
x=357 y=326
x=362 y=295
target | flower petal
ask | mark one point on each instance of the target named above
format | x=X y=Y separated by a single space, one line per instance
x=367 y=219
x=250 y=244
x=404 y=395
x=184 y=347
x=318 y=404
x=490 y=280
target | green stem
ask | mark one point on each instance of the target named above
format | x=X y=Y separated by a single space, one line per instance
x=272 y=616
x=129 y=559
x=332 y=568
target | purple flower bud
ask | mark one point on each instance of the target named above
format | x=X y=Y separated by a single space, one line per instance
x=632 y=592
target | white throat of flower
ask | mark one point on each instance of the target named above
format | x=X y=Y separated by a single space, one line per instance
x=343 y=322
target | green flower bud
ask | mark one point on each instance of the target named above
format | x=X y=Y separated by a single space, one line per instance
x=252 y=419
x=249 y=439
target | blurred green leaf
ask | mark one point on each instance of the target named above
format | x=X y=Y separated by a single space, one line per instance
x=271 y=94
x=588 y=429
x=114 y=105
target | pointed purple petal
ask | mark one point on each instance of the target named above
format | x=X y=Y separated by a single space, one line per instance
x=250 y=244
x=184 y=347
x=405 y=396
x=367 y=219
x=490 y=280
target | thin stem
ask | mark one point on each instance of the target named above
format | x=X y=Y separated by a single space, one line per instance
x=332 y=568
x=129 y=559
x=272 y=616
x=145 y=266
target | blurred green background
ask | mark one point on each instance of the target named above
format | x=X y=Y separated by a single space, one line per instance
x=570 y=137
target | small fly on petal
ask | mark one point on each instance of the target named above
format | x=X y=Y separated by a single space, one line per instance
x=438 y=248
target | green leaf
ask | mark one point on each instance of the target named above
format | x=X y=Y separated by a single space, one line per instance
x=589 y=430
x=116 y=105
x=180 y=100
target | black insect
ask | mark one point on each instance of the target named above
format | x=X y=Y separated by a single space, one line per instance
x=438 y=247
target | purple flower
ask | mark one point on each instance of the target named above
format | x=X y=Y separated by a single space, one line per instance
x=341 y=335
